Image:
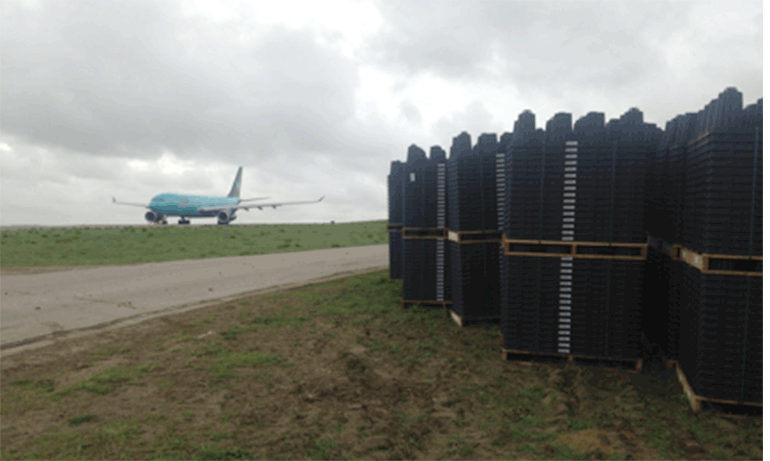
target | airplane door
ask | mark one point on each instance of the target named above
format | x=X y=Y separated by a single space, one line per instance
x=184 y=205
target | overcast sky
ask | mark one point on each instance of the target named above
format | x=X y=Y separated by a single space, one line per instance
x=132 y=98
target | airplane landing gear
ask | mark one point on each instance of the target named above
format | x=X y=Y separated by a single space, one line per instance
x=183 y=221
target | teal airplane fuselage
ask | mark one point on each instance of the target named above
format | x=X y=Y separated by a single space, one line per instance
x=185 y=205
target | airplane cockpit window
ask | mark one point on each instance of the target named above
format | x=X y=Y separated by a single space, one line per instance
x=157 y=200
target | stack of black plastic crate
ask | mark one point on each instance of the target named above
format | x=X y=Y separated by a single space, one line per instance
x=424 y=254
x=721 y=298
x=529 y=285
x=395 y=218
x=583 y=186
x=655 y=290
x=473 y=235
x=443 y=255
x=663 y=284
x=500 y=175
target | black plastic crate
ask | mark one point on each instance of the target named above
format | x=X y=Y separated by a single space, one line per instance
x=395 y=252
x=475 y=280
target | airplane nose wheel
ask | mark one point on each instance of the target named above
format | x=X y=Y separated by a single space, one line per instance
x=183 y=221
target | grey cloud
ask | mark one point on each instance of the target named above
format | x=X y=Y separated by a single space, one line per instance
x=133 y=78
x=410 y=112
x=474 y=118
x=545 y=47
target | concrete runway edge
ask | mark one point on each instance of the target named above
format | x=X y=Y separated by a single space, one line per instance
x=53 y=338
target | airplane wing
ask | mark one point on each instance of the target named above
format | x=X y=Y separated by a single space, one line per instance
x=132 y=204
x=259 y=206
x=250 y=199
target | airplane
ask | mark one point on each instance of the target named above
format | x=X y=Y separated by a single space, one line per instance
x=202 y=206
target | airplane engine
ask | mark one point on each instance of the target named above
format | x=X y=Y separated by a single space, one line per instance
x=223 y=217
x=151 y=216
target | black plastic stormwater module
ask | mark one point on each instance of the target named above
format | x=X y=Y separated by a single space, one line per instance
x=425 y=257
x=395 y=218
x=473 y=200
x=711 y=204
x=416 y=255
x=665 y=224
x=475 y=280
x=395 y=249
x=721 y=335
x=721 y=190
x=657 y=311
x=586 y=185
x=443 y=255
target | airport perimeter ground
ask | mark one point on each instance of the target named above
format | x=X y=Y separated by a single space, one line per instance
x=336 y=371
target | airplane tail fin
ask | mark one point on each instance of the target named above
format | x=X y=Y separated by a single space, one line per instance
x=236 y=189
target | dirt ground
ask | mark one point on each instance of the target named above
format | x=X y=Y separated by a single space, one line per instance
x=339 y=371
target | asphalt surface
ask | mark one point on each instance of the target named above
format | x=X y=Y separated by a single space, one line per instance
x=38 y=309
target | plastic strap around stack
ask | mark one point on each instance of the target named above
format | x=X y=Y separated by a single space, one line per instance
x=441 y=247
x=748 y=278
x=564 y=334
x=540 y=260
x=609 y=261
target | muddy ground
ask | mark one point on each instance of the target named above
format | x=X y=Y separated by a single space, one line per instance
x=339 y=371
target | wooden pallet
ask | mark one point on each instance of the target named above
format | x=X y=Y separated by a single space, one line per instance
x=633 y=365
x=695 y=400
x=676 y=252
x=483 y=236
x=427 y=233
x=466 y=322
x=702 y=262
x=568 y=249
x=430 y=304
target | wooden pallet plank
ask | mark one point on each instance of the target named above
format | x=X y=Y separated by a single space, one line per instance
x=487 y=236
x=577 y=256
x=464 y=322
x=694 y=399
x=423 y=233
x=458 y=320
x=570 y=249
x=637 y=364
x=426 y=303
x=701 y=262
x=589 y=244
x=676 y=252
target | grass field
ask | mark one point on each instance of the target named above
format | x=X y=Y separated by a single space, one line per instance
x=338 y=371
x=142 y=244
x=331 y=371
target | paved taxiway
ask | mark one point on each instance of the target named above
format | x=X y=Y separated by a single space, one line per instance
x=41 y=307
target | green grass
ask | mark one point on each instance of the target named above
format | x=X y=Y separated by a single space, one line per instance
x=322 y=448
x=81 y=419
x=460 y=447
x=278 y=321
x=517 y=416
x=112 y=441
x=142 y=244
x=227 y=361
x=102 y=383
